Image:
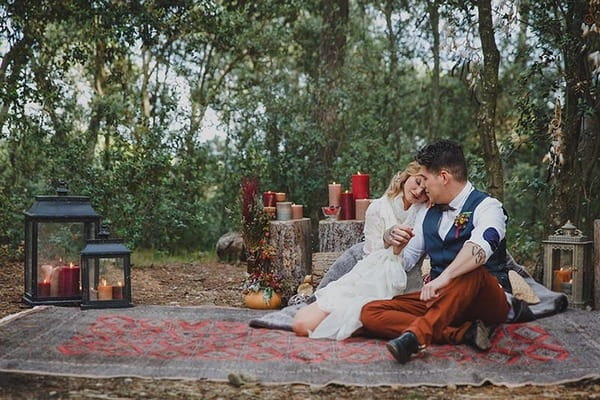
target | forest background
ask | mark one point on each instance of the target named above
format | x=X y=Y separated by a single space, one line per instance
x=117 y=97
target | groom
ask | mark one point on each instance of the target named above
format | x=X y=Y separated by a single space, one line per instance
x=463 y=234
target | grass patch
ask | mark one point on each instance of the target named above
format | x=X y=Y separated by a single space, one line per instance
x=148 y=257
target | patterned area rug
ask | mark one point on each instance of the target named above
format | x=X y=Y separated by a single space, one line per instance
x=211 y=342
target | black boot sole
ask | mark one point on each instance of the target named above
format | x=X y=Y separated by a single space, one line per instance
x=399 y=353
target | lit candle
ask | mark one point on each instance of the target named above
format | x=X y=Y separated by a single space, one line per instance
x=45 y=272
x=347 y=203
x=360 y=186
x=269 y=199
x=44 y=289
x=297 y=211
x=284 y=210
x=335 y=189
x=105 y=292
x=68 y=281
x=562 y=275
x=117 y=291
x=280 y=197
x=361 y=206
x=54 y=289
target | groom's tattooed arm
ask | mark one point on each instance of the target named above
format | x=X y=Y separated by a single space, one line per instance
x=477 y=252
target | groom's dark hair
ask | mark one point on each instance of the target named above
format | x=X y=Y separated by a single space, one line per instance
x=444 y=154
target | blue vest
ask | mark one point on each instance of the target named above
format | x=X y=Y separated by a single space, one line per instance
x=443 y=251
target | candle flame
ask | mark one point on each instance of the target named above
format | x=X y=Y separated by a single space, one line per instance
x=119 y=283
x=70 y=265
x=103 y=281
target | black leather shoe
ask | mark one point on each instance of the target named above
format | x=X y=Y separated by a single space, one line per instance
x=403 y=346
x=478 y=336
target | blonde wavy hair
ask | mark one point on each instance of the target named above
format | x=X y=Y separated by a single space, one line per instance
x=397 y=183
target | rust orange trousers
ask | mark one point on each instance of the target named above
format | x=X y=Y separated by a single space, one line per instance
x=474 y=295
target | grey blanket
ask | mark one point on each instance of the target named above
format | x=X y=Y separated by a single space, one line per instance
x=550 y=302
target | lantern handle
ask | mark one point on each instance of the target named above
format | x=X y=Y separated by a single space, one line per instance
x=104 y=232
x=62 y=189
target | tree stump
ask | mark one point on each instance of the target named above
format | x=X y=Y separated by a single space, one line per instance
x=336 y=236
x=597 y=264
x=321 y=263
x=292 y=241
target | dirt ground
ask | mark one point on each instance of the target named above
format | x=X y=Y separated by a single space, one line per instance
x=217 y=284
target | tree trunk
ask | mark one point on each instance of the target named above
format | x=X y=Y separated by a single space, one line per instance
x=434 y=21
x=333 y=43
x=568 y=199
x=486 y=115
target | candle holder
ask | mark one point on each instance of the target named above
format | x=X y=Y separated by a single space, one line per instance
x=106 y=273
x=331 y=212
x=56 y=228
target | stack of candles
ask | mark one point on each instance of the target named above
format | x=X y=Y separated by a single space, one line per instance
x=277 y=206
x=354 y=203
x=109 y=292
x=59 y=281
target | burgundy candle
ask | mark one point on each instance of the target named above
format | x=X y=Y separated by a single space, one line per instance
x=43 y=289
x=347 y=203
x=360 y=186
x=269 y=199
x=117 y=292
x=68 y=281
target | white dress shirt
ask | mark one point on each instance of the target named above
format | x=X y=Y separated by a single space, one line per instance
x=488 y=214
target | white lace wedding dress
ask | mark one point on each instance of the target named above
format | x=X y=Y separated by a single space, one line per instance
x=380 y=275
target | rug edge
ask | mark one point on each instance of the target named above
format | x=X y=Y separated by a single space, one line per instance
x=11 y=317
x=317 y=385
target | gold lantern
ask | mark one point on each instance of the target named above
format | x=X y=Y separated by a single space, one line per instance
x=568 y=264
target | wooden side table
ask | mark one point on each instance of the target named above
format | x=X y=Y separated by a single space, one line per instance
x=292 y=239
x=337 y=236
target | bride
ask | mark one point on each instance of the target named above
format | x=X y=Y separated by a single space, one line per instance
x=380 y=275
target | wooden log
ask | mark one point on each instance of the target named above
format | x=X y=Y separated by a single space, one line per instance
x=292 y=240
x=336 y=236
x=597 y=264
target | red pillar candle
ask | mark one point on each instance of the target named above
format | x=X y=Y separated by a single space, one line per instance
x=335 y=189
x=43 y=289
x=269 y=199
x=347 y=203
x=68 y=281
x=360 y=186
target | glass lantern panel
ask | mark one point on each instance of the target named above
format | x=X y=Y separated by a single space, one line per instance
x=562 y=270
x=107 y=279
x=58 y=249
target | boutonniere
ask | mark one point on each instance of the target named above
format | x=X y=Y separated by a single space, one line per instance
x=461 y=221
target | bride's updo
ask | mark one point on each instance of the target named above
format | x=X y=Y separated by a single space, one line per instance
x=397 y=183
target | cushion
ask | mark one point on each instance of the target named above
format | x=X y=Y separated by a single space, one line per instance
x=521 y=289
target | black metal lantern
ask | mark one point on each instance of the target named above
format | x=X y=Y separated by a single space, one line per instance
x=568 y=264
x=106 y=272
x=56 y=229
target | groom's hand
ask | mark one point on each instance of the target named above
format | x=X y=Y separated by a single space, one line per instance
x=398 y=236
x=431 y=290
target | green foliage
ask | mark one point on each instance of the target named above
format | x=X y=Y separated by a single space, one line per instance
x=112 y=98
